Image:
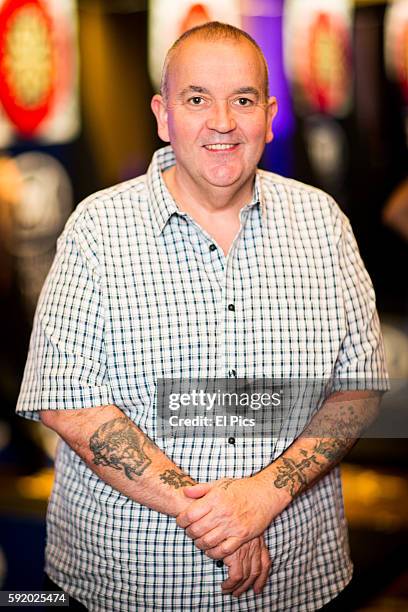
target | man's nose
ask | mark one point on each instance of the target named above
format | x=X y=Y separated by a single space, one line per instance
x=221 y=117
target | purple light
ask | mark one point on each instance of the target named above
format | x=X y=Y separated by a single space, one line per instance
x=262 y=19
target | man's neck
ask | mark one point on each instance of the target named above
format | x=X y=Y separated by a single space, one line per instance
x=215 y=210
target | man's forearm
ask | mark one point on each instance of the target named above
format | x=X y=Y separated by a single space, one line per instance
x=123 y=456
x=330 y=435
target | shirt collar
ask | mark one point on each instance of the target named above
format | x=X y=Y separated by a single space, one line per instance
x=162 y=203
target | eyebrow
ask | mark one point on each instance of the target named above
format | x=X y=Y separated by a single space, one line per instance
x=204 y=90
x=247 y=90
x=193 y=89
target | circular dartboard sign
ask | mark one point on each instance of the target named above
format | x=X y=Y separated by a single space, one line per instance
x=27 y=63
x=327 y=82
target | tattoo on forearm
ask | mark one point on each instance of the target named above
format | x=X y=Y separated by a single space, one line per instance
x=176 y=479
x=293 y=474
x=336 y=433
x=332 y=449
x=119 y=445
x=345 y=424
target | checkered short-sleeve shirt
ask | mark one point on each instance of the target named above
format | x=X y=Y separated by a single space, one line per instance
x=136 y=294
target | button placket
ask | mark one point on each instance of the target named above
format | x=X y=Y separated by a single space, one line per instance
x=229 y=317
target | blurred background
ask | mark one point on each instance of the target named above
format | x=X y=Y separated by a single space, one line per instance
x=76 y=78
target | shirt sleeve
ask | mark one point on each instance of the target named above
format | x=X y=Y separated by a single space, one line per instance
x=361 y=361
x=66 y=364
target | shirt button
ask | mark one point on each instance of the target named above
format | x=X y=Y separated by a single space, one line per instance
x=232 y=373
x=212 y=247
x=231 y=307
x=231 y=440
x=219 y=563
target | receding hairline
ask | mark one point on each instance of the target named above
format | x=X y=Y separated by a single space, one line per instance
x=214 y=31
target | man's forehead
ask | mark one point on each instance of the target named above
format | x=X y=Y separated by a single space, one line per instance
x=197 y=48
x=199 y=65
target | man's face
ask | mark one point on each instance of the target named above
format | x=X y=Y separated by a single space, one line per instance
x=216 y=116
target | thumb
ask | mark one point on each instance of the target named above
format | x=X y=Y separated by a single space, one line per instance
x=197 y=490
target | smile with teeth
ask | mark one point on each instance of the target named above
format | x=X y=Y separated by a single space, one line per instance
x=220 y=147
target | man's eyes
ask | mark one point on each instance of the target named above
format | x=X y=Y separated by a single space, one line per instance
x=241 y=101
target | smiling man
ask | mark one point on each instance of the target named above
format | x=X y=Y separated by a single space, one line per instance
x=216 y=112
x=203 y=268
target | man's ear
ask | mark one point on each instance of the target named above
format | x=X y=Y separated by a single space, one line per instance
x=272 y=109
x=158 y=107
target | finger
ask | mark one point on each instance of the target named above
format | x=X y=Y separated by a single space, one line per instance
x=232 y=582
x=253 y=570
x=263 y=576
x=202 y=529
x=227 y=547
x=197 y=490
x=211 y=539
x=193 y=513
x=246 y=573
x=235 y=573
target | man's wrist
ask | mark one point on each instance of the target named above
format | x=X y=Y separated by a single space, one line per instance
x=175 y=481
x=278 y=499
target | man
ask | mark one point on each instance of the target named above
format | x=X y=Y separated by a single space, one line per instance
x=204 y=268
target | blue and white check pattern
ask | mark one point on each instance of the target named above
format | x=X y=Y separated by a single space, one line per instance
x=135 y=294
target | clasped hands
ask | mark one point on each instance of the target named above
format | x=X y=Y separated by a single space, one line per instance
x=227 y=519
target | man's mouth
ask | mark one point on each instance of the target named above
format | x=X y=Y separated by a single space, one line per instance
x=221 y=147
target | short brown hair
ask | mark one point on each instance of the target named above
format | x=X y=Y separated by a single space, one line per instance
x=212 y=31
